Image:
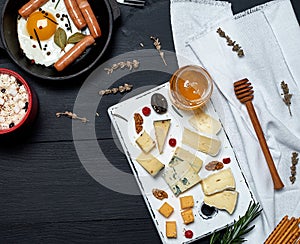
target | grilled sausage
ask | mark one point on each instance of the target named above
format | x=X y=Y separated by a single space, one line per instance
x=75 y=13
x=30 y=7
x=90 y=18
x=74 y=53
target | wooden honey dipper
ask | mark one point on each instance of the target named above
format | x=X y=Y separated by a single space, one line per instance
x=243 y=91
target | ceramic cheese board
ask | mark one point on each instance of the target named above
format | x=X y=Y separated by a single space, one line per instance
x=169 y=153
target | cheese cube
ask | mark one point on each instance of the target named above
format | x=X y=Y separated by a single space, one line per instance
x=151 y=164
x=171 y=229
x=145 y=142
x=217 y=182
x=223 y=200
x=166 y=210
x=186 y=202
x=202 y=143
x=187 y=216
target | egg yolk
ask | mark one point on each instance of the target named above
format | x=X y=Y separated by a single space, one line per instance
x=41 y=25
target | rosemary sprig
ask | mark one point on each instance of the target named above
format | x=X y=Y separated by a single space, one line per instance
x=234 y=233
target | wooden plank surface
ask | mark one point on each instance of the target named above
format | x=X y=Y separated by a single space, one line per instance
x=46 y=195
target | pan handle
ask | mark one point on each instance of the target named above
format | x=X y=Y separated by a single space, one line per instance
x=115 y=8
x=1 y=27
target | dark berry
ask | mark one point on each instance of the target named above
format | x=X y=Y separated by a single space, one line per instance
x=3 y=90
x=146 y=111
x=172 y=142
x=226 y=160
x=12 y=124
x=188 y=234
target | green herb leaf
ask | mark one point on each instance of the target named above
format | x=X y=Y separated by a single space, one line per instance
x=76 y=37
x=234 y=234
x=60 y=38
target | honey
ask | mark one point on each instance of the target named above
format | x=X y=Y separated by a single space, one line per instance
x=190 y=87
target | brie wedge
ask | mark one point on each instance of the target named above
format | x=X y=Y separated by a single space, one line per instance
x=217 y=182
x=161 y=128
x=223 y=200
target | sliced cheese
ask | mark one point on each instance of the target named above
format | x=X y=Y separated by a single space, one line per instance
x=217 y=182
x=145 y=142
x=189 y=157
x=223 y=200
x=202 y=143
x=180 y=176
x=205 y=123
x=161 y=128
x=150 y=163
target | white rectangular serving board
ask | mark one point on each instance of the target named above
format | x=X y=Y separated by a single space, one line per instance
x=127 y=135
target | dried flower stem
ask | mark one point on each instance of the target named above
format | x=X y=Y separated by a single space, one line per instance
x=157 y=45
x=235 y=47
x=286 y=96
x=126 y=87
x=71 y=115
x=295 y=160
x=134 y=64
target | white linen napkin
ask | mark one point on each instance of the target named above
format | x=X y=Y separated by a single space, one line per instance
x=269 y=35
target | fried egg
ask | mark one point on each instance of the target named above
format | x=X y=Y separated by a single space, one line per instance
x=36 y=33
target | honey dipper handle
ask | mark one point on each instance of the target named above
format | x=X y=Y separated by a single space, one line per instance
x=263 y=144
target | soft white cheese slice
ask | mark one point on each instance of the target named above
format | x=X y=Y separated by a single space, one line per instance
x=161 y=128
x=205 y=123
x=151 y=164
x=145 y=142
x=189 y=157
x=180 y=176
x=223 y=200
x=217 y=182
x=202 y=143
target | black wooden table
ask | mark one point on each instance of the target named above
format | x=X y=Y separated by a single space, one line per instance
x=46 y=195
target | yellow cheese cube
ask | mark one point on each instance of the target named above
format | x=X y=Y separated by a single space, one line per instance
x=171 y=229
x=166 y=210
x=187 y=216
x=186 y=202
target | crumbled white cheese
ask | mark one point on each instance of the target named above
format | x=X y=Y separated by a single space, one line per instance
x=13 y=101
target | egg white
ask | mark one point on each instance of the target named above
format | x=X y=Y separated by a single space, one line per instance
x=40 y=56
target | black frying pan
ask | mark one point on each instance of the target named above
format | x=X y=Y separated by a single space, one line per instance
x=106 y=12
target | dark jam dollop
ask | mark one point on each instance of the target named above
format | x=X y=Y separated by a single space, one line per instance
x=207 y=212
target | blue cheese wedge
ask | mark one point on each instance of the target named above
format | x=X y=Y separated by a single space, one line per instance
x=189 y=157
x=145 y=142
x=223 y=200
x=205 y=123
x=202 y=143
x=180 y=176
x=150 y=163
x=217 y=182
x=161 y=128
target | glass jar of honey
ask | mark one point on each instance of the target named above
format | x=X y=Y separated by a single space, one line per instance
x=190 y=87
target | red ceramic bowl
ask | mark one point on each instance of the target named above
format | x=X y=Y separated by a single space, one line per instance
x=32 y=109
